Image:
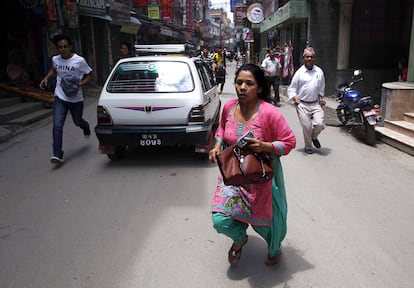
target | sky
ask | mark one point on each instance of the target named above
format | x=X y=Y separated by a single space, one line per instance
x=225 y=4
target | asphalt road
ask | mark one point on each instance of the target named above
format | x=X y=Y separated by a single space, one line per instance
x=145 y=222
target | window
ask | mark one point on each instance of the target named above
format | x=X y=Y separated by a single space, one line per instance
x=206 y=75
x=151 y=76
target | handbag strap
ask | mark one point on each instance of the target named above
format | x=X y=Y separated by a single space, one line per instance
x=236 y=151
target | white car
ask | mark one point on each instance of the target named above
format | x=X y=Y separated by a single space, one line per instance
x=162 y=97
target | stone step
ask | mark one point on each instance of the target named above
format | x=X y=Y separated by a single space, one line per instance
x=409 y=117
x=31 y=117
x=7 y=101
x=19 y=109
x=396 y=139
x=403 y=127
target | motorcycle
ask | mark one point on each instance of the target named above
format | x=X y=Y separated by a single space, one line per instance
x=356 y=111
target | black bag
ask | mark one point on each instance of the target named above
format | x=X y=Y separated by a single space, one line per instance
x=240 y=166
x=70 y=85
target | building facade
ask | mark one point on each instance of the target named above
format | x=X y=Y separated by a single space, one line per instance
x=347 y=34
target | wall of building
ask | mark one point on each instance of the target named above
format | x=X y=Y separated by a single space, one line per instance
x=323 y=36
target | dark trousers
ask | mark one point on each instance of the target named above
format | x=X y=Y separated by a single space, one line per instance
x=60 y=110
x=274 y=82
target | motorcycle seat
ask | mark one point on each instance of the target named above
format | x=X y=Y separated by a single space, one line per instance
x=366 y=98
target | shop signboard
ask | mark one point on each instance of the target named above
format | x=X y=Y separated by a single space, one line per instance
x=255 y=13
x=239 y=14
x=154 y=12
x=248 y=35
x=92 y=8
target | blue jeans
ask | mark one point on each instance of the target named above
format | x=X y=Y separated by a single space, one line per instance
x=60 y=110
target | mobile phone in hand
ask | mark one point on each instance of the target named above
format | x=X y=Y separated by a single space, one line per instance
x=241 y=142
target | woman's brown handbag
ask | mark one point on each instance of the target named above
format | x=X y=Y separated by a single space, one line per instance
x=240 y=166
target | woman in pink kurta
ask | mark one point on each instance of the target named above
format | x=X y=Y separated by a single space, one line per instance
x=263 y=206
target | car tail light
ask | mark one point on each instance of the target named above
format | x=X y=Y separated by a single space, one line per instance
x=103 y=116
x=197 y=115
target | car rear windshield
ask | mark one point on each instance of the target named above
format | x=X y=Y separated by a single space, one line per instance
x=151 y=76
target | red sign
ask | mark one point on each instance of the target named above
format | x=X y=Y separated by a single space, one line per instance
x=140 y=3
x=189 y=15
x=166 y=13
x=240 y=13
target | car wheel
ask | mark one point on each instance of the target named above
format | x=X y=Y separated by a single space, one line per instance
x=119 y=153
x=204 y=154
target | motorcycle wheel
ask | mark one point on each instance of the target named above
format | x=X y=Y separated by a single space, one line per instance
x=369 y=133
x=341 y=115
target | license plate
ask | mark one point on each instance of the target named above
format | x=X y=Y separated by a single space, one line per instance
x=369 y=113
x=150 y=140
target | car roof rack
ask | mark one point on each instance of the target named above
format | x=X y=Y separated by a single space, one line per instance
x=165 y=49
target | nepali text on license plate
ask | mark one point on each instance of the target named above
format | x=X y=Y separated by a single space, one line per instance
x=369 y=113
x=150 y=140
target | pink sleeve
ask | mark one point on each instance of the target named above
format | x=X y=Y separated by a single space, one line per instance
x=226 y=109
x=220 y=129
x=278 y=131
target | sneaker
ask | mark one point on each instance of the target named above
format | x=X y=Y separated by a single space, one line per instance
x=56 y=160
x=308 y=150
x=278 y=104
x=316 y=143
x=87 y=131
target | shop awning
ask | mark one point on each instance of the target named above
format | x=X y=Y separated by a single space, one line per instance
x=95 y=9
x=132 y=27
x=135 y=21
x=104 y=17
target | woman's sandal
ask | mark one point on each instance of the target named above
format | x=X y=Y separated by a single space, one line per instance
x=273 y=260
x=235 y=254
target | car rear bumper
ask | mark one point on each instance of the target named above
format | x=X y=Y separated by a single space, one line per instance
x=153 y=136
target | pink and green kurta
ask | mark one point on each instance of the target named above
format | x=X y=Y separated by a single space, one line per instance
x=256 y=204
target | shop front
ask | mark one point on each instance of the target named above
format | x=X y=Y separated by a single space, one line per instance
x=154 y=32
x=286 y=27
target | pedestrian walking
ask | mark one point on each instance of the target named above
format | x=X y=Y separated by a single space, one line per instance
x=306 y=91
x=263 y=206
x=271 y=66
x=72 y=73
x=204 y=54
x=220 y=70
x=288 y=68
x=403 y=68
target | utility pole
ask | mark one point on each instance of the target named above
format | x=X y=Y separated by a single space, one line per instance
x=221 y=23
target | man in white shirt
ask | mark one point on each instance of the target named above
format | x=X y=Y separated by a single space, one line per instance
x=306 y=91
x=271 y=67
x=67 y=65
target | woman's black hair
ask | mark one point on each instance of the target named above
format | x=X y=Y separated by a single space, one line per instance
x=260 y=79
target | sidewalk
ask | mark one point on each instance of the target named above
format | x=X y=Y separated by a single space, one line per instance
x=9 y=131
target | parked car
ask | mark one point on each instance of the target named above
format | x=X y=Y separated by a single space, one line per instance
x=165 y=96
